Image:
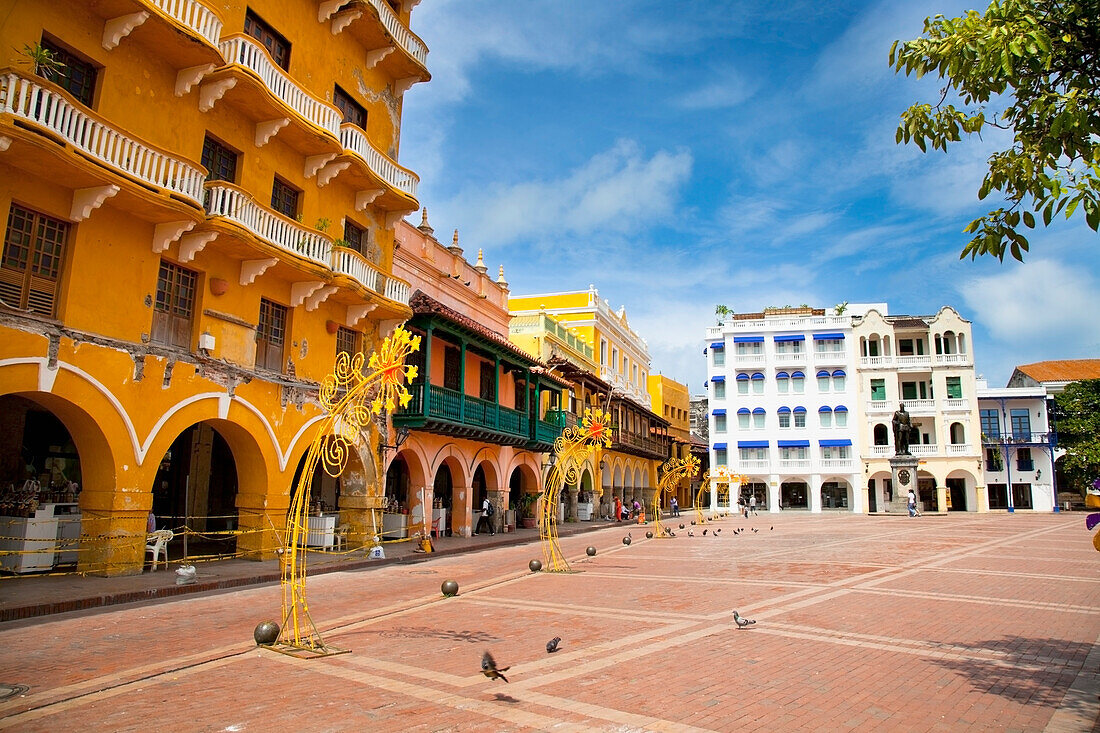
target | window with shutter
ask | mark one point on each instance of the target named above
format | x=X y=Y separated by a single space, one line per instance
x=71 y=72
x=271 y=335
x=174 y=308
x=30 y=268
x=452 y=369
x=273 y=41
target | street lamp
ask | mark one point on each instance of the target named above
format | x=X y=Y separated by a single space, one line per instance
x=399 y=438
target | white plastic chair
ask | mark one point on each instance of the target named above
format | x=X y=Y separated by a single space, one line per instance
x=157 y=543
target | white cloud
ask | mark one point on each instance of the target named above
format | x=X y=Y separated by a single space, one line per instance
x=1043 y=303
x=728 y=89
x=620 y=190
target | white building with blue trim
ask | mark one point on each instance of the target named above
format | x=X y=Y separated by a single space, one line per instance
x=781 y=395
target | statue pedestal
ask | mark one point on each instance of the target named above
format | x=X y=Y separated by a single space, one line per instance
x=904 y=472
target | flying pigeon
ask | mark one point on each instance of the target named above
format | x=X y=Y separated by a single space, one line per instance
x=742 y=623
x=551 y=646
x=489 y=668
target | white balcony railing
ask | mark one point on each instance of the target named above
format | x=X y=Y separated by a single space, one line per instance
x=830 y=357
x=46 y=107
x=921 y=449
x=876 y=362
x=793 y=465
x=354 y=140
x=837 y=464
x=798 y=359
x=351 y=263
x=235 y=205
x=920 y=407
x=876 y=406
x=960 y=449
x=748 y=358
x=397 y=290
x=756 y=464
x=194 y=15
x=956 y=404
x=248 y=53
x=912 y=362
x=405 y=38
x=953 y=359
x=879 y=451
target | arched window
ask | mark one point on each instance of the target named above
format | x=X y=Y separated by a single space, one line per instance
x=882 y=435
x=800 y=417
x=758 y=418
x=838 y=380
x=782 y=382
x=958 y=434
x=784 y=417
x=825 y=416
x=743 y=418
x=798 y=382
x=840 y=416
x=742 y=383
x=823 y=381
x=758 y=383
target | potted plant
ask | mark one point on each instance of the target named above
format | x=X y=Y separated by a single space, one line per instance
x=527 y=504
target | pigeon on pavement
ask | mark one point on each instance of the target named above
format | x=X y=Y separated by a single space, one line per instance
x=551 y=646
x=742 y=622
x=489 y=668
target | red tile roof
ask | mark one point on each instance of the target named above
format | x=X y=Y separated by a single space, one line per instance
x=1062 y=370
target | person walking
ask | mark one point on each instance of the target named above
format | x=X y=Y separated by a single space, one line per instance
x=675 y=506
x=486 y=517
x=752 y=504
x=618 y=509
x=913 y=511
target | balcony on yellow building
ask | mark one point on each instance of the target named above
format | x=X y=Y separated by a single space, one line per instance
x=389 y=42
x=159 y=24
x=254 y=84
x=264 y=228
x=349 y=263
x=46 y=132
x=377 y=179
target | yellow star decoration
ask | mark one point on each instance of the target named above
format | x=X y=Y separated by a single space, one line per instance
x=389 y=363
x=597 y=427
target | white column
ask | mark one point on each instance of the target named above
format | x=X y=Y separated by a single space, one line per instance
x=773 y=493
x=859 y=491
x=814 y=492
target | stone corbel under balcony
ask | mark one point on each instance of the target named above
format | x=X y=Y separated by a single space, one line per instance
x=115 y=29
x=400 y=86
x=393 y=217
x=168 y=232
x=363 y=199
x=191 y=76
x=330 y=171
x=302 y=290
x=315 y=300
x=357 y=313
x=212 y=91
x=373 y=57
x=192 y=244
x=267 y=130
x=343 y=20
x=327 y=9
x=315 y=163
x=252 y=269
x=87 y=200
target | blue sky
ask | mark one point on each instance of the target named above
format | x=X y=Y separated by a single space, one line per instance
x=681 y=155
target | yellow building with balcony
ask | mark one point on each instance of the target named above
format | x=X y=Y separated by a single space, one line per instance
x=670 y=400
x=607 y=363
x=199 y=202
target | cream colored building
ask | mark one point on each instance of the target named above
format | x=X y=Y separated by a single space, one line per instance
x=925 y=362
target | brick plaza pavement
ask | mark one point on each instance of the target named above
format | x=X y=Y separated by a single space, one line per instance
x=949 y=623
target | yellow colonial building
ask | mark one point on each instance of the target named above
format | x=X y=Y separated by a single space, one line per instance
x=670 y=400
x=592 y=346
x=199 y=202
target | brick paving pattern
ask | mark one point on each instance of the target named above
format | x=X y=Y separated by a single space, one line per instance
x=864 y=623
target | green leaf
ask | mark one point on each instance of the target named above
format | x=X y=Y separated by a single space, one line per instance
x=1029 y=220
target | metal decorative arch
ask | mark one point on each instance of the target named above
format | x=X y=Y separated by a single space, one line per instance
x=351 y=397
x=674 y=470
x=718 y=474
x=570 y=449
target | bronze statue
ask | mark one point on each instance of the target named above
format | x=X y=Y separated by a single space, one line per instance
x=902 y=428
